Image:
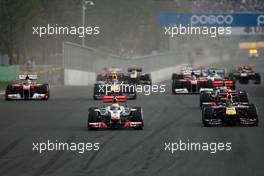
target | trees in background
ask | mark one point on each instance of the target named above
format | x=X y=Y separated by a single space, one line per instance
x=124 y=24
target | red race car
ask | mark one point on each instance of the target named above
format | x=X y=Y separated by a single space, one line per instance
x=27 y=89
x=190 y=80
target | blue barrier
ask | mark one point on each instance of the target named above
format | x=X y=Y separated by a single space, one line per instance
x=213 y=19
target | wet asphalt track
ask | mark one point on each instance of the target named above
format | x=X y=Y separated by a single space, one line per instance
x=168 y=118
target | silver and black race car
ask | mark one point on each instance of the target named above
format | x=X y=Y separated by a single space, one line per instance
x=27 y=89
x=115 y=114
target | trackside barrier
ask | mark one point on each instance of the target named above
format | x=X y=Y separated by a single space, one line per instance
x=77 y=77
x=80 y=63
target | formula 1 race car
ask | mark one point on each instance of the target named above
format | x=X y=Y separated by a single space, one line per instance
x=217 y=78
x=230 y=113
x=195 y=81
x=113 y=83
x=245 y=74
x=137 y=77
x=188 y=81
x=115 y=114
x=184 y=85
x=112 y=74
x=218 y=95
x=27 y=90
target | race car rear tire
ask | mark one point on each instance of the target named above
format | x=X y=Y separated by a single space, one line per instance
x=101 y=78
x=137 y=116
x=92 y=117
x=243 y=97
x=176 y=84
x=252 y=111
x=134 y=97
x=231 y=76
x=243 y=80
x=8 y=91
x=44 y=89
x=176 y=76
x=146 y=77
x=96 y=91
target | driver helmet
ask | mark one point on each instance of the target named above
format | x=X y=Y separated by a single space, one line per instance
x=212 y=74
x=114 y=77
x=115 y=106
x=229 y=100
x=28 y=80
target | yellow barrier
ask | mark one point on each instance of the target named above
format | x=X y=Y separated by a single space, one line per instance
x=251 y=45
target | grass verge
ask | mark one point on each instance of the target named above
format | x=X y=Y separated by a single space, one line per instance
x=3 y=86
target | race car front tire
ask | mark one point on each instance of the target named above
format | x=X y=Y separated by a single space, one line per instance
x=252 y=113
x=243 y=97
x=243 y=80
x=44 y=89
x=8 y=91
x=176 y=76
x=257 y=78
x=137 y=116
x=92 y=118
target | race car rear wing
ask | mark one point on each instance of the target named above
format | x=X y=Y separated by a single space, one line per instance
x=227 y=83
x=110 y=99
x=31 y=77
x=189 y=72
x=114 y=70
x=131 y=69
